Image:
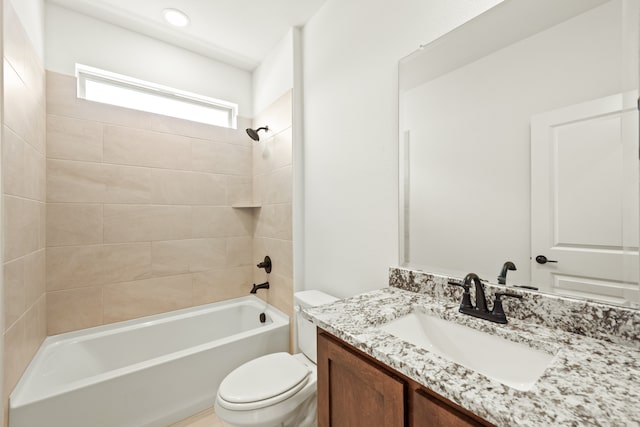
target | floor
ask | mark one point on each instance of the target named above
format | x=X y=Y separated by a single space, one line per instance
x=203 y=419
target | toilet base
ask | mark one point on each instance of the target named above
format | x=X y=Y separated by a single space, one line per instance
x=304 y=415
x=307 y=416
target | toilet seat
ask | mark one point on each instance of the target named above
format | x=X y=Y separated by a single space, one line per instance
x=263 y=382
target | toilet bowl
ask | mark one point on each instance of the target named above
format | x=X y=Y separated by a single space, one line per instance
x=278 y=389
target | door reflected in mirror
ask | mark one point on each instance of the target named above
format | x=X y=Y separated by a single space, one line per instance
x=519 y=142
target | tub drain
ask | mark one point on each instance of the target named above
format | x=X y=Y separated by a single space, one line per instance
x=263 y=317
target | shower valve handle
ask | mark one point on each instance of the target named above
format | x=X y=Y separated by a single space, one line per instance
x=266 y=264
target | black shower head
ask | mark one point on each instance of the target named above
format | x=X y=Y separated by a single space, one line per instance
x=253 y=134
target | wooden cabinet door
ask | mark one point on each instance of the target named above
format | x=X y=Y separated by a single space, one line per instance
x=352 y=392
x=429 y=411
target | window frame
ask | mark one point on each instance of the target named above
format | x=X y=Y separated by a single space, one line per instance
x=86 y=73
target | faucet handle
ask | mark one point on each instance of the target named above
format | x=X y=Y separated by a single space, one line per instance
x=266 y=264
x=466 y=296
x=498 y=310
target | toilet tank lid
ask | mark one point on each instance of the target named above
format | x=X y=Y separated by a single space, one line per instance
x=313 y=298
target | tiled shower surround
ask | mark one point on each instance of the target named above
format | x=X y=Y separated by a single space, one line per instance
x=140 y=212
x=23 y=192
x=272 y=188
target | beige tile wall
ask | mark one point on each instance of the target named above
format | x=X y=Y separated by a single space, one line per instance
x=272 y=186
x=23 y=192
x=139 y=212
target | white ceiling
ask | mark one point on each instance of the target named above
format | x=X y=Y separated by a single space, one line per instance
x=238 y=32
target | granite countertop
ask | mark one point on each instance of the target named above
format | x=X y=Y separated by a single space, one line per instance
x=588 y=382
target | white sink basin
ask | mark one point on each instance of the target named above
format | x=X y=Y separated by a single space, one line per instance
x=513 y=364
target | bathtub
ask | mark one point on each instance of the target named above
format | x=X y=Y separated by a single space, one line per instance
x=146 y=372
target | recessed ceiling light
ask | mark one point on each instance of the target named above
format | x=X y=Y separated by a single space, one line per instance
x=176 y=17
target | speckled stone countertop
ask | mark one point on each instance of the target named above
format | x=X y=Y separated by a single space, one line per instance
x=619 y=325
x=588 y=382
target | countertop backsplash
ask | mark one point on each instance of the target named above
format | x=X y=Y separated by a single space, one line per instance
x=614 y=324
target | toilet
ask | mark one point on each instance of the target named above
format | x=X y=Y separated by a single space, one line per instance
x=278 y=389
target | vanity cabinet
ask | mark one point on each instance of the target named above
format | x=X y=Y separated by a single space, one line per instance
x=356 y=390
x=429 y=409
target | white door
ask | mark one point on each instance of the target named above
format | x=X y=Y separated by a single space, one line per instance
x=584 y=200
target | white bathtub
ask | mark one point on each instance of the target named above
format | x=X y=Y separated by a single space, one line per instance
x=146 y=372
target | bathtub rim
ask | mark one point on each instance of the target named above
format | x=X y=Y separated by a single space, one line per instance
x=20 y=397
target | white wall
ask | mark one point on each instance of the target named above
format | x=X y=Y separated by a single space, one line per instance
x=2 y=297
x=351 y=50
x=274 y=76
x=72 y=37
x=31 y=14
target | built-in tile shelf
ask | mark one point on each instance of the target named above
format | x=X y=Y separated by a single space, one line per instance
x=246 y=206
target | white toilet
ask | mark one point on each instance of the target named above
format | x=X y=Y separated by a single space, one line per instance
x=277 y=389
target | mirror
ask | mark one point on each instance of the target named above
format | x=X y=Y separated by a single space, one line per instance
x=519 y=142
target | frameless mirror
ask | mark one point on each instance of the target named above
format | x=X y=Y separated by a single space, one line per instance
x=519 y=142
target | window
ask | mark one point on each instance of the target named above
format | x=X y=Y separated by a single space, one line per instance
x=115 y=89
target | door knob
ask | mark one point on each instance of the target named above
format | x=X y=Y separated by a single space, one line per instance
x=541 y=259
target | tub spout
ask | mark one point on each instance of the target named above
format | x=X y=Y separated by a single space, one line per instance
x=264 y=285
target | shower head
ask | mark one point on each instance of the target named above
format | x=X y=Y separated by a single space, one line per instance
x=253 y=134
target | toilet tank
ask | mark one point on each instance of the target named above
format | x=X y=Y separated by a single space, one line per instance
x=306 y=330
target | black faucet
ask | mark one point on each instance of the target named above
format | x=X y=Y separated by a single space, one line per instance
x=264 y=285
x=480 y=310
x=508 y=266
